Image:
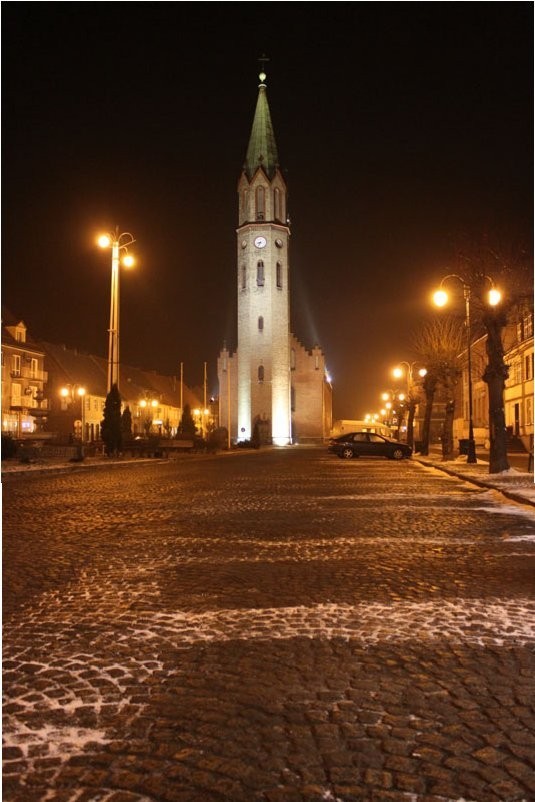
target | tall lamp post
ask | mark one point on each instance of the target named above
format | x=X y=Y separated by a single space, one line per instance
x=409 y=372
x=441 y=298
x=117 y=242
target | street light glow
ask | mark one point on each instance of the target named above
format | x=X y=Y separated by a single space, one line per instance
x=104 y=241
x=440 y=298
x=495 y=296
x=128 y=260
x=397 y=373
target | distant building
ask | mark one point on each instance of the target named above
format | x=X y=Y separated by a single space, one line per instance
x=23 y=379
x=271 y=381
x=76 y=393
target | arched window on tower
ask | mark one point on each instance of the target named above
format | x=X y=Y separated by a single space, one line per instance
x=260 y=203
x=260 y=273
x=244 y=209
x=279 y=275
x=260 y=323
x=277 y=203
x=260 y=373
x=243 y=277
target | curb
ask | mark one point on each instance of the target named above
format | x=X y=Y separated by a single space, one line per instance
x=510 y=494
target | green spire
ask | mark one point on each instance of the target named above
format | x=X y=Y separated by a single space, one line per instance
x=262 y=149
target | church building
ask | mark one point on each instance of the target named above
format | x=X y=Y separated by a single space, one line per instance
x=271 y=381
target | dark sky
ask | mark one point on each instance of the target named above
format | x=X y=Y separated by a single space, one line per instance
x=401 y=127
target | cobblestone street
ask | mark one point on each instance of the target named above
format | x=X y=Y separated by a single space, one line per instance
x=276 y=626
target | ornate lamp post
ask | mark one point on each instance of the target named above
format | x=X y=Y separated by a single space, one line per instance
x=441 y=298
x=398 y=373
x=117 y=242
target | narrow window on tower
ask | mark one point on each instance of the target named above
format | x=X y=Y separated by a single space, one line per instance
x=292 y=359
x=243 y=277
x=292 y=398
x=260 y=203
x=245 y=197
x=260 y=373
x=279 y=275
x=260 y=273
x=277 y=203
x=260 y=323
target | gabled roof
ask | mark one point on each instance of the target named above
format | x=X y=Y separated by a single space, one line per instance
x=262 y=148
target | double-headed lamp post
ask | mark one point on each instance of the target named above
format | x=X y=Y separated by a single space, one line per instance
x=398 y=373
x=441 y=298
x=117 y=242
x=69 y=393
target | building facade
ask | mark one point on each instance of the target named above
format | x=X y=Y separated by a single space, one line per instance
x=271 y=382
x=23 y=379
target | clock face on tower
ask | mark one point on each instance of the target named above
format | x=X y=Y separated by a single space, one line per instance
x=260 y=242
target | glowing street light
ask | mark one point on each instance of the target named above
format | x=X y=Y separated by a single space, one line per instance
x=117 y=242
x=69 y=393
x=441 y=298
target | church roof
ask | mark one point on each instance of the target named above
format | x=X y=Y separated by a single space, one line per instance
x=262 y=149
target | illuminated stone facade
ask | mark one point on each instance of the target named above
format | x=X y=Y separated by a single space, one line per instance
x=271 y=381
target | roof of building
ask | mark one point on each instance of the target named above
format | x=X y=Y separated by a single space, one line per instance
x=69 y=366
x=262 y=148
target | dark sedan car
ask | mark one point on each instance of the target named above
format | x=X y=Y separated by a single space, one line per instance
x=368 y=444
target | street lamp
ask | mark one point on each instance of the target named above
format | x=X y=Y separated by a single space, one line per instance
x=117 y=242
x=398 y=373
x=440 y=299
x=69 y=394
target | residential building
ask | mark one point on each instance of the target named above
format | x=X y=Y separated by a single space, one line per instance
x=23 y=379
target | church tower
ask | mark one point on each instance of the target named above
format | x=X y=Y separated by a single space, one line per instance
x=271 y=380
x=263 y=375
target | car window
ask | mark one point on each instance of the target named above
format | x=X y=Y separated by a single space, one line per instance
x=361 y=437
x=375 y=438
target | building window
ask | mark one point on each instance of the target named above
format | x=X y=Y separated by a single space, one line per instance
x=260 y=203
x=244 y=277
x=529 y=411
x=292 y=398
x=245 y=196
x=15 y=365
x=260 y=323
x=260 y=373
x=16 y=392
x=316 y=362
x=260 y=274
x=33 y=368
x=528 y=326
x=528 y=362
x=279 y=275
x=292 y=359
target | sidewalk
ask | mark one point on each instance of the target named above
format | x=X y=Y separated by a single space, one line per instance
x=515 y=484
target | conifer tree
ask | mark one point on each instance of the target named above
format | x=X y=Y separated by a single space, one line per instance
x=111 y=424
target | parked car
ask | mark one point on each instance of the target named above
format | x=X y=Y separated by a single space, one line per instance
x=368 y=444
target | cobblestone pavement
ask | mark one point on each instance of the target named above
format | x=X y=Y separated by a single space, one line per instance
x=278 y=626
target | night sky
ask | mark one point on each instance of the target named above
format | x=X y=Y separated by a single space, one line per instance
x=401 y=127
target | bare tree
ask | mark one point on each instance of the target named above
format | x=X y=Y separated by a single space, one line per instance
x=438 y=344
x=509 y=269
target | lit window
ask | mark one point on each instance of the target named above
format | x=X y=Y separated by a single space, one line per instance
x=15 y=364
x=279 y=275
x=260 y=274
x=260 y=373
x=528 y=326
x=292 y=359
x=260 y=323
